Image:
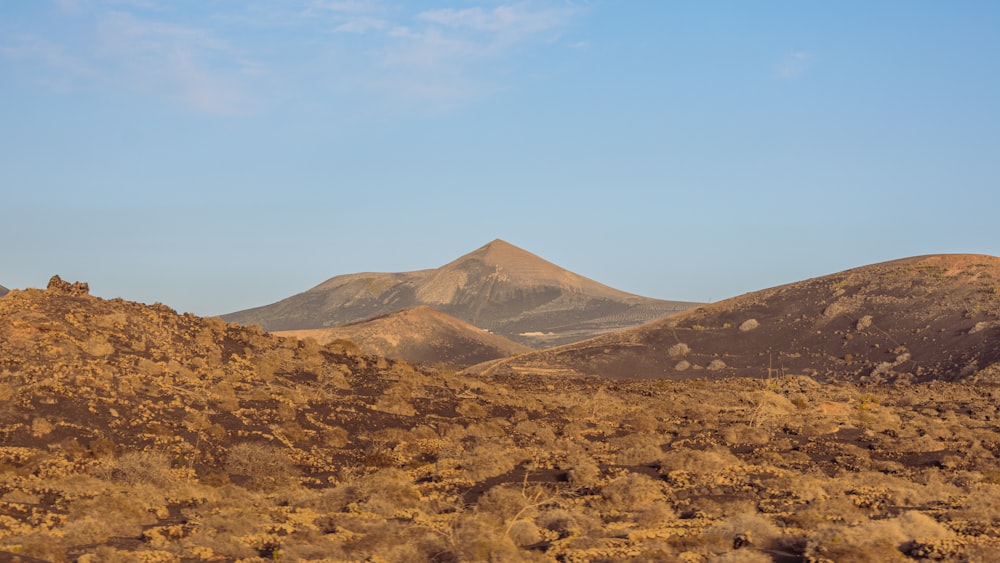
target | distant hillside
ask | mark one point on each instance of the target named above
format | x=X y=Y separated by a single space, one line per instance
x=3 y=291
x=498 y=287
x=923 y=318
x=419 y=335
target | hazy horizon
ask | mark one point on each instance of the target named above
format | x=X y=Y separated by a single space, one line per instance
x=225 y=155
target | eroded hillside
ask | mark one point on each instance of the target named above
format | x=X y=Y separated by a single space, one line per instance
x=917 y=319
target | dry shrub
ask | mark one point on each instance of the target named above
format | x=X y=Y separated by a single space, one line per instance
x=336 y=437
x=394 y=542
x=524 y=533
x=490 y=460
x=108 y=554
x=748 y=325
x=508 y=502
x=982 y=504
x=470 y=409
x=396 y=400
x=655 y=515
x=265 y=464
x=751 y=528
x=476 y=539
x=743 y=555
x=639 y=449
x=699 y=462
x=716 y=365
x=678 y=350
x=643 y=422
x=581 y=469
x=570 y=523
x=40 y=545
x=94 y=521
x=389 y=490
x=633 y=491
x=881 y=540
x=97 y=345
x=134 y=468
x=742 y=434
x=541 y=434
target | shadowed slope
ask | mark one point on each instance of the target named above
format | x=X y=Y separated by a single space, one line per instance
x=498 y=287
x=420 y=335
x=929 y=317
x=3 y=291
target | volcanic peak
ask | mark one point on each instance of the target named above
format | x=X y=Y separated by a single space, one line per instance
x=498 y=287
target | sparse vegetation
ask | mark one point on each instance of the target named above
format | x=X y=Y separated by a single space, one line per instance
x=191 y=439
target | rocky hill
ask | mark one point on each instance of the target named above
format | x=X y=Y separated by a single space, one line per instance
x=923 y=318
x=419 y=335
x=498 y=287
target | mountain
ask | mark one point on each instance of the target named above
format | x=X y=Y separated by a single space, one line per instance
x=498 y=287
x=419 y=335
x=922 y=318
x=3 y=291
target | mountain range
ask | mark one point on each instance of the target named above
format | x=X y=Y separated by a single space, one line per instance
x=916 y=319
x=498 y=287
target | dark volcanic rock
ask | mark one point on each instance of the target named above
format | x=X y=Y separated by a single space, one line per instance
x=930 y=317
x=499 y=287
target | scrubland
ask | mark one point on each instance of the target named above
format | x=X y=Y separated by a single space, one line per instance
x=132 y=433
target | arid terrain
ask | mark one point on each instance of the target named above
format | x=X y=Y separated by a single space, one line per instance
x=918 y=319
x=498 y=287
x=133 y=433
x=419 y=335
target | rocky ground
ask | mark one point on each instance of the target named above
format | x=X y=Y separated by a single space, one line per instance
x=132 y=433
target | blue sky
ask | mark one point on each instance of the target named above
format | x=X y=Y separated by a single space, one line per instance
x=215 y=155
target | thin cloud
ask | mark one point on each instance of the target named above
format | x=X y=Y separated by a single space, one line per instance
x=349 y=6
x=795 y=64
x=515 y=19
x=40 y=51
x=362 y=24
x=185 y=63
x=212 y=58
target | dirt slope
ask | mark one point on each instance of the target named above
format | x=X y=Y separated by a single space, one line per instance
x=419 y=335
x=498 y=287
x=929 y=317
